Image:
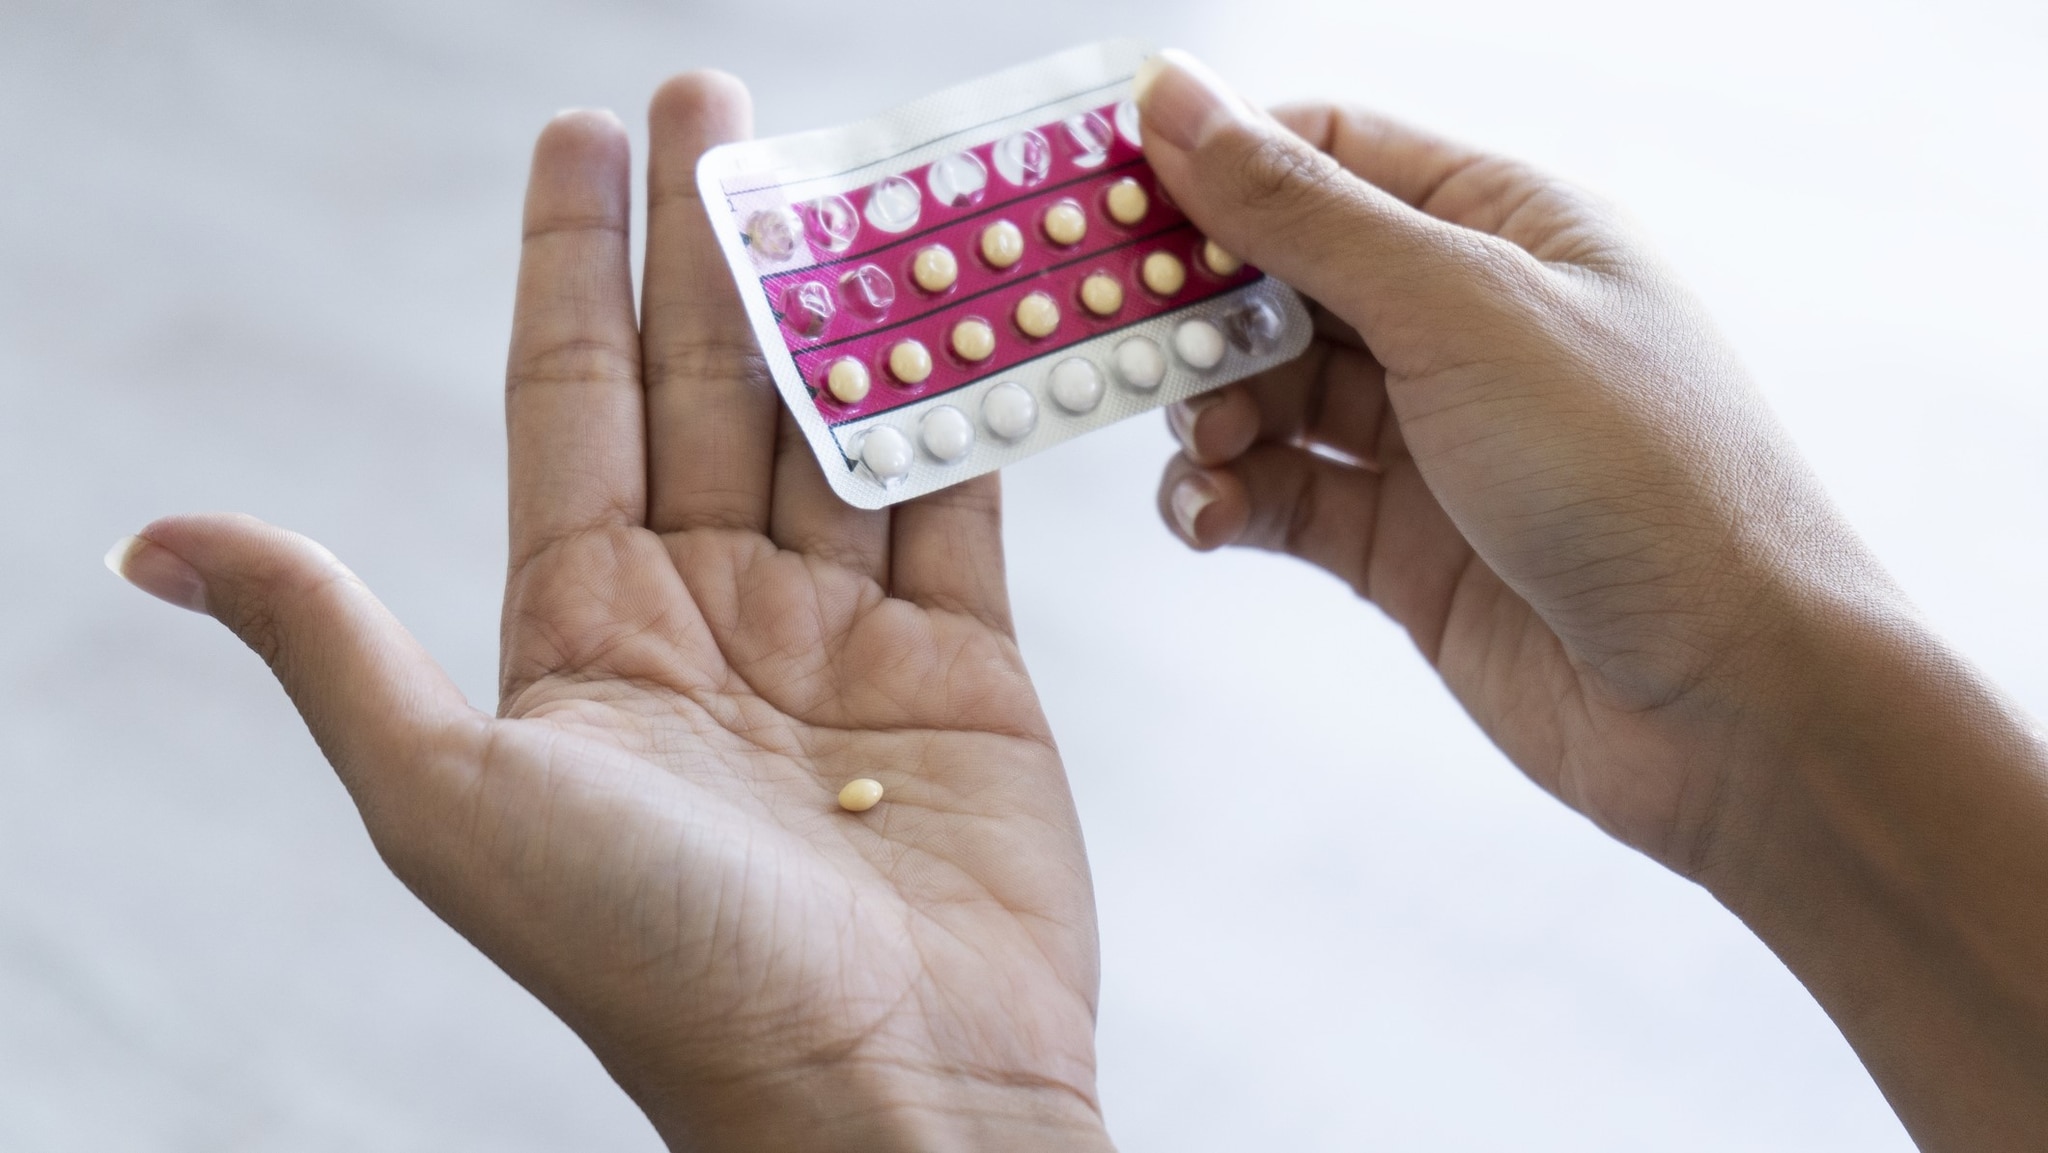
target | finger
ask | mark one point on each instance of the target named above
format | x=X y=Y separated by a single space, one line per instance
x=946 y=551
x=1270 y=197
x=710 y=403
x=1384 y=533
x=1458 y=183
x=576 y=438
x=808 y=517
x=373 y=699
x=1332 y=397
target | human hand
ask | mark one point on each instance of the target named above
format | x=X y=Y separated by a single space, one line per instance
x=1522 y=440
x=701 y=644
x=1515 y=434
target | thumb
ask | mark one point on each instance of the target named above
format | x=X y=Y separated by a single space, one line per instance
x=1278 y=202
x=375 y=701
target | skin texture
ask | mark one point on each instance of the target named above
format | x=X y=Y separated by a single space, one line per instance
x=1515 y=434
x=702 y=645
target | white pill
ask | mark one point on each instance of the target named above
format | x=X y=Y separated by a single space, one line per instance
x=947 y=433
x=1199 y=344
x=886 y=452
x=1076 y=385
x=1140 y=364
x=1009 y=411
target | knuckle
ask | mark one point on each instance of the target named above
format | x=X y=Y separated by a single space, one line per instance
x=1279 y=175
x=712 y=356
x=573 y=361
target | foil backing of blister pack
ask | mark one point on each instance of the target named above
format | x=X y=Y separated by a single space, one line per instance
x=835 y=235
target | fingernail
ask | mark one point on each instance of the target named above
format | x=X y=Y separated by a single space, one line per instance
x=1182 y=101
x=1182 y=416
x=1190 y=497
x=157 y=571
x=606 y=113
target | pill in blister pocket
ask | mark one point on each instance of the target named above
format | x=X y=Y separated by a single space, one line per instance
x=1065 y=224
x=910 y=361
x=1127 y=201
x=1219 y=262
x=973 y=339
x=947 y=433
x=1163 y=273
x=886 y=452
x=1037 y=315
x=1076 y=385
x=847 y=381
x=1140 y=364
x=934 y=268
x=1199 y=344
x=1002 y=245
x=1009 y=411
x=1101 y=294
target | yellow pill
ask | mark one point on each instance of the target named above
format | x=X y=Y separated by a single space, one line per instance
x=910 y=362
x=1220 y=262
x=860 y=795
x=1127 y=201
x=1001 y=244
x=935 y=268
x=1163 y=273
x=974 y=339
x=847 y=380
x=1065 y=223
x=1101 y=294
x=1037 y=315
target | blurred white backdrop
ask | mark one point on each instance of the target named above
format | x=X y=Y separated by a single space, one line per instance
x=259 y=256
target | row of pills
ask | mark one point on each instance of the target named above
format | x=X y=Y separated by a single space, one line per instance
x=1009 y=411
x=1036 y=315
x=867 y=290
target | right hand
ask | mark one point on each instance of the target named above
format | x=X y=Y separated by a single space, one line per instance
x=1565 y=487
x=1567 y=490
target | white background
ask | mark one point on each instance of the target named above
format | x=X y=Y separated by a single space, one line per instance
x=260 y=256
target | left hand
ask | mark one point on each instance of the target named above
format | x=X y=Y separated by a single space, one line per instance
x=701 y=645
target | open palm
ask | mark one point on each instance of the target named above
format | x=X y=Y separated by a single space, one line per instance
x=701 y=645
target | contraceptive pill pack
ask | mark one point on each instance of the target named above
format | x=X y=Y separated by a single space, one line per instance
x=980 y=275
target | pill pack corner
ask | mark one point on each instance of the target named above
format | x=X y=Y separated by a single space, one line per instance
x=980 y=275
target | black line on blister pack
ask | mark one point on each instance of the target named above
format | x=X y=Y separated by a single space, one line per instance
x=1051 y=268
x=1057 y=100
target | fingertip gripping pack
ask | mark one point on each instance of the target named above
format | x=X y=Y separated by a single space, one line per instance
x=980 y=275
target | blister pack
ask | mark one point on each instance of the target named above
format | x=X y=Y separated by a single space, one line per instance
x=980 y=275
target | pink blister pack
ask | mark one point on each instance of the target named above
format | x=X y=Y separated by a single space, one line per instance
x=980 y=275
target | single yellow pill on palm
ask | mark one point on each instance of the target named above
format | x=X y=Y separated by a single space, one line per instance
x=1127 y=201
x=910 y=362
x=847 y=380
x=1220 y=262
x=1101 y=294
x=1001 y=244
x=1163 y=273
x=935 y=268
x=1037 y=315
x=974 y=339
x=860 y=795
x=1065 y=223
